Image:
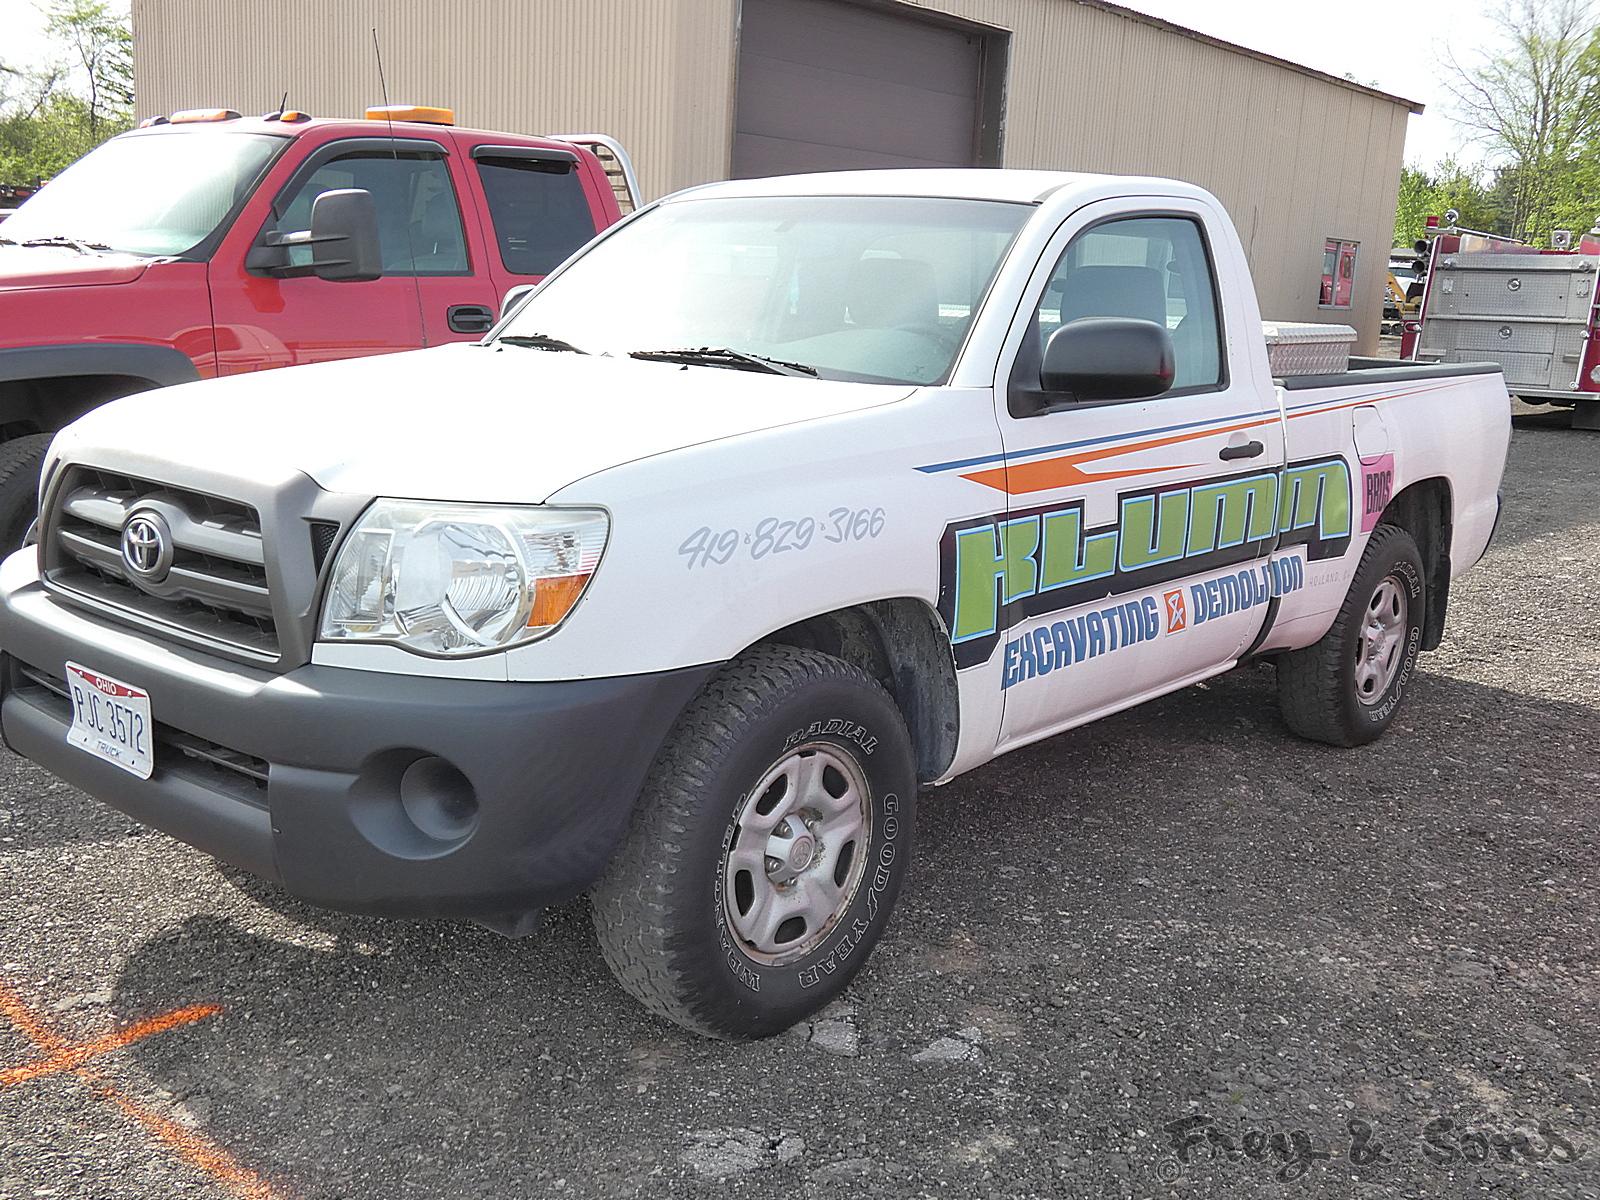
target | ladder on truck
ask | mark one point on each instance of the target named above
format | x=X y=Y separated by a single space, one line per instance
x=618 y=166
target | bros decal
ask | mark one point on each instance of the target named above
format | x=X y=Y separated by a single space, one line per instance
x=996 y=571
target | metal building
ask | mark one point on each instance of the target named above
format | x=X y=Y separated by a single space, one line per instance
x=1308 y=164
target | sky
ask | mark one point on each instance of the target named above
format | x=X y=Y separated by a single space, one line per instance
x=1398 y=47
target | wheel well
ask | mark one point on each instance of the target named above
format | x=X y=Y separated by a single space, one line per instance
x=902 y=644
x=45 y=405
x=1424 y=511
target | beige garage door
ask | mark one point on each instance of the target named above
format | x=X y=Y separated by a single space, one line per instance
x=827 y=85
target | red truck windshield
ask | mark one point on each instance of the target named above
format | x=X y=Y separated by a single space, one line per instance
x=154 y=193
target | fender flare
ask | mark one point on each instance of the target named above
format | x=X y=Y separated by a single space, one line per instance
x=161 y=366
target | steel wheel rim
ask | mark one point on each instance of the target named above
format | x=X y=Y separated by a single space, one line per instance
x=1380 y=644
x=797 y=853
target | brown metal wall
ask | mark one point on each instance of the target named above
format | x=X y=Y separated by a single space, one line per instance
x=655 y=73
x=1296 y=159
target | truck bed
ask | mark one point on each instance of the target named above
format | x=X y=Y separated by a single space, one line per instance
x=1384 y=370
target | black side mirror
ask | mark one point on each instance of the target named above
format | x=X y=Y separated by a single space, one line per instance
x=1108 y=358
x=343 y=237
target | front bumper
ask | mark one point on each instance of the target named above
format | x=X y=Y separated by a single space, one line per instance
x=551 y=769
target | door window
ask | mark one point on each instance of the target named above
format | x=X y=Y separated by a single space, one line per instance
x=419 y=221
x=540 y=211
x=1151 y=269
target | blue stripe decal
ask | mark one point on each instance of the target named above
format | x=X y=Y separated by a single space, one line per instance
x=1099 y=441
x=957 y=464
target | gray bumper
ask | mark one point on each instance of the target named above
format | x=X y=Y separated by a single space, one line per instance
x=539 y=787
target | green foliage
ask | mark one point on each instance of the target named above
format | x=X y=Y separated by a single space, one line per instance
x=1433 y=193
x=1532 y=102
x=50 y=117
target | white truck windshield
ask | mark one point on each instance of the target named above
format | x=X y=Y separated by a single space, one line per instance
x=149 y=193
x=874 y=289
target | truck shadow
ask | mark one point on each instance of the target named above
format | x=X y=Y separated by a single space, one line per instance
x=361 y=1058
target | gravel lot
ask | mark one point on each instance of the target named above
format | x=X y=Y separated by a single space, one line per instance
x=1181 y=913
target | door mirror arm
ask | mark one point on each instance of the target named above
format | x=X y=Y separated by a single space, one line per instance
x=343 y=237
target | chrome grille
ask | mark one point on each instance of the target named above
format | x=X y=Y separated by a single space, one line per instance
x=216 y=588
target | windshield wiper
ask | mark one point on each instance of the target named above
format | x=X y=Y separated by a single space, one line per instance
x=723 y=356
x=538 y=341
x=74 y=243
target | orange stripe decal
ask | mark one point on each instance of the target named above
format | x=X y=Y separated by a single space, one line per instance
x=1067 y=470
x=1045 y=474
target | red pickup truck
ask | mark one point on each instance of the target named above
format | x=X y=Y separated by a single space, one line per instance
x=207 y=244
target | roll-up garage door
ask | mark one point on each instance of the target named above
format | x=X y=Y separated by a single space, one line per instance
x=826 y=85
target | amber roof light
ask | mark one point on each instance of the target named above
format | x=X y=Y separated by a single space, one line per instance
x=423 y=113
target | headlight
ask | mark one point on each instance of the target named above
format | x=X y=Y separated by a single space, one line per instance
x=460 y=578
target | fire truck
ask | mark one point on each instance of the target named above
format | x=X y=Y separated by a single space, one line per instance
x=1533 y=311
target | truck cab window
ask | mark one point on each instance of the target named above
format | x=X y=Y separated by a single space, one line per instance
x=419 y=221
x=539 y=209
x=1151 y=269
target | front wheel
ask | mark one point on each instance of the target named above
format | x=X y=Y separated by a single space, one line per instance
x=767 y=849
x=20 y=460
x=1346 y=689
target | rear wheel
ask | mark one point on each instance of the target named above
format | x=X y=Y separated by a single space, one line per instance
x=768 y=846
x=20 y=460
x=1346 y=689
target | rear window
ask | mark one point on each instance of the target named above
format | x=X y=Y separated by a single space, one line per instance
x=540 y=212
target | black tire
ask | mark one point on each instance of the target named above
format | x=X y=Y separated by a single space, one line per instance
x=20 y=460
x=1318 y=688
x=662 y=913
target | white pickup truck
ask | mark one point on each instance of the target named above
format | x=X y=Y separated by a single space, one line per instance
x=781 y=500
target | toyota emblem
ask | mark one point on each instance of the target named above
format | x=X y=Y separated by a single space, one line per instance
x=147 y=546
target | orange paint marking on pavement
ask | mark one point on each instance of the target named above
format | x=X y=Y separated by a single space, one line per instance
x=75 y=1056
x=62 y=1056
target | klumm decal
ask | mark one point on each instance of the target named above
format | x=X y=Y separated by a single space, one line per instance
x=995 y=571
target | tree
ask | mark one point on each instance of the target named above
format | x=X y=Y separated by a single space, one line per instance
x=1533 y=103
x=53 y=115
x=1433 y=193
x=102 y=44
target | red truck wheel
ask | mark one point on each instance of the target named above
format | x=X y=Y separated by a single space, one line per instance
x=20 y=460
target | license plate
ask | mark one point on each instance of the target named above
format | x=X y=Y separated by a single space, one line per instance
x=111 y=720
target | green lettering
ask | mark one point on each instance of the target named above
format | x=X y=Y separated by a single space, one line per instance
x=1071 y=558
x=1151 y=535
x=1316 y=494
x=982 y=560
x=1222 y=511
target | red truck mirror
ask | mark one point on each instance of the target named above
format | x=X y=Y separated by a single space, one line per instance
x=345 y=247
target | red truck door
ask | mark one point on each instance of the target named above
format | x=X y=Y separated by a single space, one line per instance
x=540 y=203
x=429 y=281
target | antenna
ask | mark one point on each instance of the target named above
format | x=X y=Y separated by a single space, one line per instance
x=283 y=105
x=394 y=147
